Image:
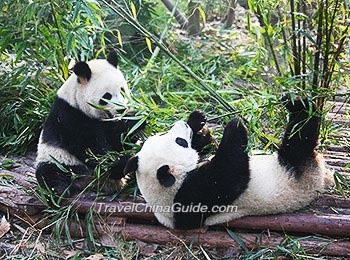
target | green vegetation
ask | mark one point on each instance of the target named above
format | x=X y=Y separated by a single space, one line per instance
x=300 y=48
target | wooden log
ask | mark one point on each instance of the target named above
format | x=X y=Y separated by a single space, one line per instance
x=160 y=235
x=342 y=149
x=321 y=222
x=326 y=224
x=338 y=163
x=331 y=201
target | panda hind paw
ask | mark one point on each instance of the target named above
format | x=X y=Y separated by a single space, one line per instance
x=236 y=131
x=297 y=103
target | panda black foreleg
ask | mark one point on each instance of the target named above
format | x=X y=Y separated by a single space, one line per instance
x=301 y=135
x=117 y=167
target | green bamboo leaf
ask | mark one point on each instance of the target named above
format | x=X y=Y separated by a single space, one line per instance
x=237 y=239
x=59 y=165
x=248 y=22
x=136 y=126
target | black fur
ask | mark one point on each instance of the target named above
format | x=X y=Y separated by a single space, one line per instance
x=131 y=165
x=50 y=176
x=165 y=177
x=82 y=70
x=218 y=182
x=70 y=129
x=113 y=58
x=107 y=96
x=301 y=136
x=117 y=168
x=197 y=120
x=182 y=142
x=201 y=135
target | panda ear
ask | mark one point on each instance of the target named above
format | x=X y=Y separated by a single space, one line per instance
x=113 y=58
x=83 y=71
x=165 y=177
x=131 y=165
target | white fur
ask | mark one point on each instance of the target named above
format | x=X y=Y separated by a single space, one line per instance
x=153 y=155
x=104 y=78
x=47 y=152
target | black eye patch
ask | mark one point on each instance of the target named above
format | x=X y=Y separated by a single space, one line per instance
x=108 y=96
x=182 y=142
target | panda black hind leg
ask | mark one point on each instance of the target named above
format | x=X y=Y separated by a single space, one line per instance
x=52 y=178
x=233 y=143
x=301 y=135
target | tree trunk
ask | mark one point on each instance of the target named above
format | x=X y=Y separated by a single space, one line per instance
x=194 y=20
x=231 y=14
x=180 y=18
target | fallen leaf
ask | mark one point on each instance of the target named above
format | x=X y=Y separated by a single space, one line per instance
x=4 y=227
x=96 y=257
x=146 y=249
x=69 y=254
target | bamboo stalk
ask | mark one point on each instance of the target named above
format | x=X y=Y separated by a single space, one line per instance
x=294 y=39
x=316 y=68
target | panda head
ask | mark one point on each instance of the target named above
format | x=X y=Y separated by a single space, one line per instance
x=97 y=83
x=164 y=159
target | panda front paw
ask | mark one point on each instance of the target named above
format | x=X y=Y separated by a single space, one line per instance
x=117 y=168
x=197 y=120
x=201 y=134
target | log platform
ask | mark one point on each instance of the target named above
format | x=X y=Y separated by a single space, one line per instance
x=328 y=216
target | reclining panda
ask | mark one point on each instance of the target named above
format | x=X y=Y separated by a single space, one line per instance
x=74 y=126
x=168 y=174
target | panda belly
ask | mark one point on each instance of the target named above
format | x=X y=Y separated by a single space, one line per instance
x=274 y=189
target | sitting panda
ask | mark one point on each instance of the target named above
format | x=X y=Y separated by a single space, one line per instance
x=74 y=126
x=169 y=176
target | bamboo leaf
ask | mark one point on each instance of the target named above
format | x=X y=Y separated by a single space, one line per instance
x=133 y=9
x=237 y=239
x=248 y=22
x=149 y=44
x=202 y=13
x=119 y=35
